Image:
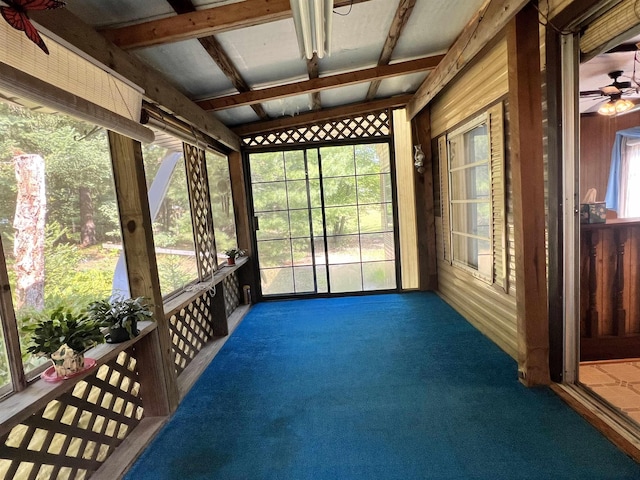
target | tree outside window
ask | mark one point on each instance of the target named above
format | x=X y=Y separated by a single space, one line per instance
x=59 y=221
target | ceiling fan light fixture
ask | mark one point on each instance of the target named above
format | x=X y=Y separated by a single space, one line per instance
x=615 y=106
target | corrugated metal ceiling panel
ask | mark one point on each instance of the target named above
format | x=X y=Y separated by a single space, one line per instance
x=433 y=27
x=189 y=67
x=265 y=54
x=358 y=37
x=236 y=116
x=288 y=106
x=102 y=13
x=344 y=95
x=390 y=87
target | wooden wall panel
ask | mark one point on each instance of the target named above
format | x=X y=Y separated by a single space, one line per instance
x=406 y=200
x=555 y=6
x=597 y=134
x=605 y=263
x=480 y=85
x=610 y=309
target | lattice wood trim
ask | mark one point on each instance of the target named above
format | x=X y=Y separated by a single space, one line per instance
x=372 y=125
x=201 y=211
x=71 y=436
x=231 y=291
x=190 y=329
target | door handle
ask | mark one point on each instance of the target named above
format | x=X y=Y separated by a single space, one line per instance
x=256 y=224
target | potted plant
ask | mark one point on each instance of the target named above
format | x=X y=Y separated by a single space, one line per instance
x=63 y=338
x=232 y=254
x=120 y=316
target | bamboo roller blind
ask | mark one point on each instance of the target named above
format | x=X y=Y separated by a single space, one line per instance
x=617 y=21
x=69 y=72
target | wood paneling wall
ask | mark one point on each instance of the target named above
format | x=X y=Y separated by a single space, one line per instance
x=490 y=308
x=610 y=290
x=408 y=237
x=597 y=134
x=555 y=6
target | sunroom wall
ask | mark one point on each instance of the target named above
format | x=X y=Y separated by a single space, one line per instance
x=489 y=307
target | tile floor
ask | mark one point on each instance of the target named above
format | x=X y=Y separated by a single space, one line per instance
x=617 y=381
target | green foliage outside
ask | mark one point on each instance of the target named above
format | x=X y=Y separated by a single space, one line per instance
x=172 y=228
x=76 y=156
x=224 y=223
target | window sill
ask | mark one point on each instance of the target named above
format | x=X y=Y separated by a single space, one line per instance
x=38 y=394
x=188 y=295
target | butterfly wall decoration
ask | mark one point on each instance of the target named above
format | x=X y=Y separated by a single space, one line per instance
x=15 y=13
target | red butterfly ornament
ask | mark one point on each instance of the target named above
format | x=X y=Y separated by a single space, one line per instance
x=16 y=15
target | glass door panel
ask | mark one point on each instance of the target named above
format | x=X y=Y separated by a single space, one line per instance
x=325 y=220
x=359 y=217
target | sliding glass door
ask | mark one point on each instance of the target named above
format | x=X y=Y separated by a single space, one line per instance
x=324 y=219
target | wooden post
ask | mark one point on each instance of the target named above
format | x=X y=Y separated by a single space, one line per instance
x=244 y=226
x=593 y=322
x=424 y=204
x=619 y=312
x=527 y=167
x=154 y=353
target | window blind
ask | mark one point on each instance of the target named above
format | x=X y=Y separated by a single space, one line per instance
x=71 y=77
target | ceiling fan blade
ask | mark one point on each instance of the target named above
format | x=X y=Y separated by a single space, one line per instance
x=591 y=93
x=610 y=90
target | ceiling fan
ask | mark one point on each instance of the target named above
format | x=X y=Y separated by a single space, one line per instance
x=615 y=90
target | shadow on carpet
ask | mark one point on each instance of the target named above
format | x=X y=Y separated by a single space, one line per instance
x=386 y=387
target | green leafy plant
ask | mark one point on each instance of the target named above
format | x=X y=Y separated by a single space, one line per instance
x=234 y=253
x=77 y=331
x=120 y=314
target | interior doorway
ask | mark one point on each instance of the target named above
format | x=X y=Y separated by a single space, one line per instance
x=324 y=219
x=609 y=228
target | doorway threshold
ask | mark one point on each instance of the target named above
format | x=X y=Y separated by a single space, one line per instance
x=619 y=429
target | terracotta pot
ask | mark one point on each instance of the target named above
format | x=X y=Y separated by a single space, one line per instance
x=231 y=261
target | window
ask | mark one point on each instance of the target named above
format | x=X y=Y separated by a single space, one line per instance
x=624 y=177
x=633 y=181
x=224 y=223
x=59 y=221
x=470 y=197
x=171 y=217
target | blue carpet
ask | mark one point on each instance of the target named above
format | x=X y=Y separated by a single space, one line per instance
x=378 y=387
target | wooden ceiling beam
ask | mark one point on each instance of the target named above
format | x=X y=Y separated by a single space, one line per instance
x=323 y=83
x=314 y=72
x=202 y=23
x=85 y=40
x=483 y=27
x=403 y=12
x=217 y=53
x=322 y=115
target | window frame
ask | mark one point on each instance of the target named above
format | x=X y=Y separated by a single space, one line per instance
x=459 y=133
